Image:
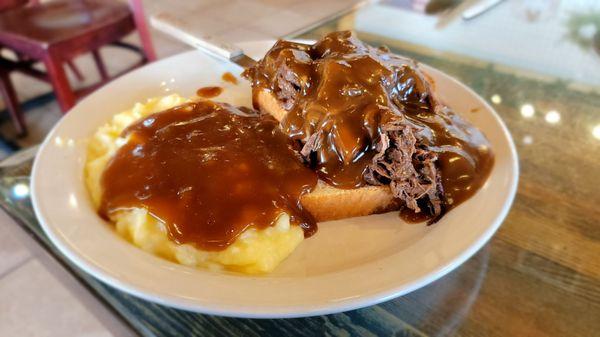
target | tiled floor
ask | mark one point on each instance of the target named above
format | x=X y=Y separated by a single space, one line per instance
x=12 y=252
x=25 y=293
x=37 y=296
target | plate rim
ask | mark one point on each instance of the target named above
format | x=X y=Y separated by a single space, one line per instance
x=281 y=311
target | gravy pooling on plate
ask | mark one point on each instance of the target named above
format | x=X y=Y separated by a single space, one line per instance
x=208 y=171
x=365 y=116
x=229 y=77
x=209 y=92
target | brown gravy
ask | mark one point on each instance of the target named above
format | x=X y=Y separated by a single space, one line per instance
x=229 y=77
x=340 y=93
x=208 y=171
x=209 y=92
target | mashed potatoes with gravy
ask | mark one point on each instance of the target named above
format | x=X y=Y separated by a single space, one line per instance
x=255 y=251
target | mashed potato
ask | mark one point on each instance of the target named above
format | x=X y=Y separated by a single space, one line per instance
x=255 y=251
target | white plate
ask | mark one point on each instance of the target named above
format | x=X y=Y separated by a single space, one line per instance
x=348 y=264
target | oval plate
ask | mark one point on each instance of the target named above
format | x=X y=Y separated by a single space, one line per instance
x=348 y=264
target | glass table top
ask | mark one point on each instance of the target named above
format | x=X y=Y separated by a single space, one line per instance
x=539 y=67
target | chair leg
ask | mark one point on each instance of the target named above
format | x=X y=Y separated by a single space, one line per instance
x=12 y=103
x=100 y=65
x=60 y=83
x=75 y=70
x=141 y=25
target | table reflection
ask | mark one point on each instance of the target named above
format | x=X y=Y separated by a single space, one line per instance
x=435 y=310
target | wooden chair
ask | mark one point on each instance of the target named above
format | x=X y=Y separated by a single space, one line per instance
x=56 y=32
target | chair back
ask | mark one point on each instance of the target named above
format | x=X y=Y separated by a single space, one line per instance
x=10 y=4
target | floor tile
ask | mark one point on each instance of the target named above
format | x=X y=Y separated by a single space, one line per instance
x=34 y=303
x=12 y=252
x=56 y=278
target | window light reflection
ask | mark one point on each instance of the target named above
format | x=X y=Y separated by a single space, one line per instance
x=496 y=99
x=596 y=132
x=527 y=110
x=552 y=117
x=73 y=201
x=20 y=190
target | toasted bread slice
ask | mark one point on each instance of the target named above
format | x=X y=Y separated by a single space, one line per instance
x=326 y=202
